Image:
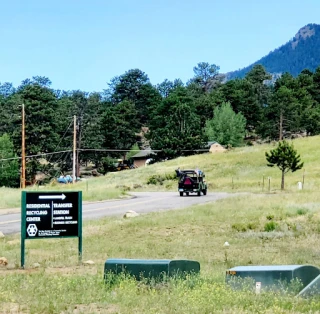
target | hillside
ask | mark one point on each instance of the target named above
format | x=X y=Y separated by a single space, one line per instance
x=301 y=52
x=260 y=228
x=240 y=170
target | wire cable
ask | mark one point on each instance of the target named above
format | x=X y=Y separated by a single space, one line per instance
x=37 y=155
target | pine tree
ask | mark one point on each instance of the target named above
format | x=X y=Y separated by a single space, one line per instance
x=286 y=158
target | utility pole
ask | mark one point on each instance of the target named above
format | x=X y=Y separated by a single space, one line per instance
x=79 y=134
x=23 y=152
x=74 y=149
x=281 y=126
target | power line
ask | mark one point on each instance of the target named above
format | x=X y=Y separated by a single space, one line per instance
x=57 y=146
x=103 y=150
x=114 y=150
x=37 y=155
x=139 y=150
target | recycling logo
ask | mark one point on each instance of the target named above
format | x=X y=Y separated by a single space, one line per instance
x=32 y=230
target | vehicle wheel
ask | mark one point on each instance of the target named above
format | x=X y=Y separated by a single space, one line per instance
x=204 y=192
x=187 y=193
x=181 y=193
x=199 y=193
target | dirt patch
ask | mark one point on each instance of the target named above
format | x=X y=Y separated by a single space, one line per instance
x=7 y=211
x=13 y=308
x=14 y=242
x=92 y=230
x=67 y=271
x=6 y=271
x=93 y=308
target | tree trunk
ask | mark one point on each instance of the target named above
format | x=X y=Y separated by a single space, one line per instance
x=282 y=180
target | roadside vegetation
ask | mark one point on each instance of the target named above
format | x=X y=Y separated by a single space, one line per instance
x=240 y=169
x=262 y=227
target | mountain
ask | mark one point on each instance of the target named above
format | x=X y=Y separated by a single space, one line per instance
x=301 y=52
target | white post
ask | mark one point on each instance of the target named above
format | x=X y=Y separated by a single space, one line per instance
x=74 y=149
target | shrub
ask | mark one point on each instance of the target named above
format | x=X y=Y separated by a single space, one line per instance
x=252 y=225
x=155 y=179
x=159 y=179
x=107 y=165
x=170 y=176
x=270 y=226
x=123 y=187
x=301 y=211
x=270 y=217
x=239 y=227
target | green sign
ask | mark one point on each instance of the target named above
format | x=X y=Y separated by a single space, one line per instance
x=50 y=215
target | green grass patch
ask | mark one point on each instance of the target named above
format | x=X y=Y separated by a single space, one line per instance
x=270 y=226
x=263 y=228
x=60 y=285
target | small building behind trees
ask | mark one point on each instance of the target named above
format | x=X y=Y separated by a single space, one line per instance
x=141 y=158
x=215 y=147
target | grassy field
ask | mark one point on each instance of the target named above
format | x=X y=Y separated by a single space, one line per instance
x=243 y=169
x=262 y=228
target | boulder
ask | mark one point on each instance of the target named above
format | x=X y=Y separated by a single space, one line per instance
x=130 y=214
x=3 y=261
x=1 y=235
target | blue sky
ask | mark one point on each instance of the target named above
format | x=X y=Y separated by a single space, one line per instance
x=82 y=44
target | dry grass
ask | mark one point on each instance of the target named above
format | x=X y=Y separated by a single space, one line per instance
x=194 y=233
x=61 y=285
x=241 y=169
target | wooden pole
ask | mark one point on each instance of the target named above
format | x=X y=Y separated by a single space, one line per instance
x=281 y=126
x=74 y=149
x=23 y=151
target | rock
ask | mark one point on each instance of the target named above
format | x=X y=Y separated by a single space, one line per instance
x=12 y=266
x=3 y=261
x=89 y=262
x=226 y=243
x=130 y=214
x=1 y=235
x=36 y=265
x=95 y=173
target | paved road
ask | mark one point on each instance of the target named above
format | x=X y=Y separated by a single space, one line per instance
x=142 y=202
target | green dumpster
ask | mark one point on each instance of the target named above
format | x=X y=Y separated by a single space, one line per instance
x=158 y=269
x=273 y=275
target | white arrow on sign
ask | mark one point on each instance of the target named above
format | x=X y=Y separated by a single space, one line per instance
x=52 y=197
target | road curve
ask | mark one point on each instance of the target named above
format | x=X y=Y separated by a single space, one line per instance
x=141 y=202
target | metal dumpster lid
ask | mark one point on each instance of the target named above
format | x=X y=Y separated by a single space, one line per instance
x=132 y=261
x=267 y=267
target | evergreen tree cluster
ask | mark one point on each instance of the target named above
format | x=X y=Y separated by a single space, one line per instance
x=302 y=52
x=179 y=118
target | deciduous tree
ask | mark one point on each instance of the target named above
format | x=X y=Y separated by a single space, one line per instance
x=226 y=127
